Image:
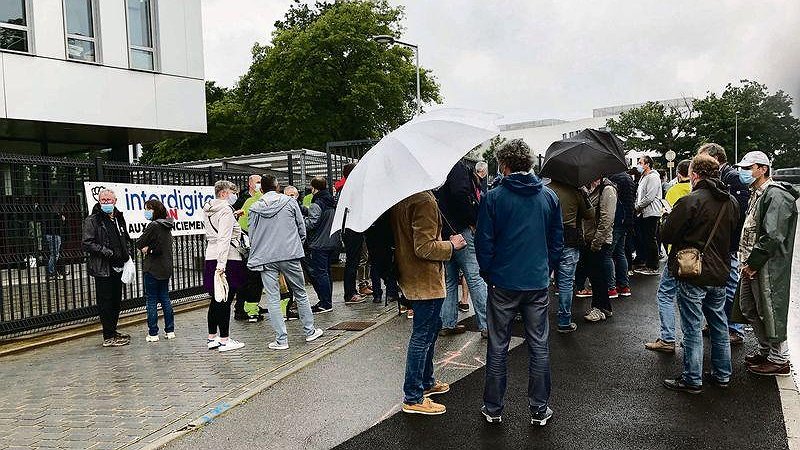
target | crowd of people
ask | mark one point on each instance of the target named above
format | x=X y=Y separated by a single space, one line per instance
x=725 y=231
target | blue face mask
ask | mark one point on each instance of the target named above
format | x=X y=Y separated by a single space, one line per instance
x=746 y=176
x=148 y=214
x=639 y=168
x=107 y=208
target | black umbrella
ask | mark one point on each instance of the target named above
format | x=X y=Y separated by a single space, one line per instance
x=589 y=155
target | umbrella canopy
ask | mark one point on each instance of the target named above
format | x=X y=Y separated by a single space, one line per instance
x=589 y=155
x=413 y=158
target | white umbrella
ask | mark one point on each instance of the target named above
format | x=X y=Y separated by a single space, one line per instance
x=413 y=158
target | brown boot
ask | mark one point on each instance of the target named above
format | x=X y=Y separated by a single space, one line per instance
x=770 y=369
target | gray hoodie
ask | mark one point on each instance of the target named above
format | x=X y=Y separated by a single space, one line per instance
x=277 y=230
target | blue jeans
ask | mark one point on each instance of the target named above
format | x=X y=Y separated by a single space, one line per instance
x=419 y=359
x=157 y=291
x=694 y=303
x=503 y=307
x=319 y=267
x=566 y=281
x=667 y=290
x=466 y=261
x=730 y=293
x=54 y=246
x=618 y=277
x=293 y=273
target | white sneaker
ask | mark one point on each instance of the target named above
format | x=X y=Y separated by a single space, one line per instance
x=317 y=333
x=151 y=338
x=276 y=346
x=594 y=315
x=171 y=335
x=230 y=344
x=213 y=343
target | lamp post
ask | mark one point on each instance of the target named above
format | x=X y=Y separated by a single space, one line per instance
x=386 y=39
x=736 y=137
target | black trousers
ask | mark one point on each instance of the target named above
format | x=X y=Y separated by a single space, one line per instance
x=352 y=248
x=109 y=300
x=649 y=236
x=595 y=266
x=250 y=292
x=219 y=315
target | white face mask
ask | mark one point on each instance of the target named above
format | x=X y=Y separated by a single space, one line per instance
x=232 y=198
x=257 y=188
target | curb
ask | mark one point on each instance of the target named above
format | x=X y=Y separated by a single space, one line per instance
x=271 y=379
x=790 y=402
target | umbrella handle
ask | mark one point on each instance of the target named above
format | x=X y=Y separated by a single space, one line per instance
x=344 y=222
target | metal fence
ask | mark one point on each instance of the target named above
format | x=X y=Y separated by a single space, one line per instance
x=35 y=193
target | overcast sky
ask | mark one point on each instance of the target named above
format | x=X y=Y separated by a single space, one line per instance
x=559 y=59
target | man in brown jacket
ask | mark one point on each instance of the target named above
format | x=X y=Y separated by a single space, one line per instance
x=419 y=253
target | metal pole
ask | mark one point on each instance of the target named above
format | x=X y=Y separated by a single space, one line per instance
x=736 y=139
x=419 y=98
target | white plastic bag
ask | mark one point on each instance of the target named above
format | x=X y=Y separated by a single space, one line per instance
x=129 y=271
x=220 y=286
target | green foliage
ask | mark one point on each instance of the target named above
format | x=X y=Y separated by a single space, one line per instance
x=320 y=79
x=488 y=155
x=765 y=123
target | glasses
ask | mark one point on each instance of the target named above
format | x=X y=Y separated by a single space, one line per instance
x=107 y=201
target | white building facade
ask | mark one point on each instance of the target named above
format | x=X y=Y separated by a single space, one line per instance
x=99 y=73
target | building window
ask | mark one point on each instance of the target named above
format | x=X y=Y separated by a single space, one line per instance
x=141 y=33
x=81 y=30
x=14 y=26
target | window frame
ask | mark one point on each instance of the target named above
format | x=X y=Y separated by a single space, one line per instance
x=27 y=29
x=153 y=37
x=98 y=57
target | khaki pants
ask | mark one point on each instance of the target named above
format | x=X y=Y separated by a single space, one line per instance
x=749 y=301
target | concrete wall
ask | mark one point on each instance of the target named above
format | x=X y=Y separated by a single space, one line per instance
x=46 y=86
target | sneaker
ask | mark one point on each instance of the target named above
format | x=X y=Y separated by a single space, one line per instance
x=607 y=312
x=119 y=335
x=612 y=293
x=624 y=291
x=276 y=346
x=151 y=338
x=542 y=417
x=291 y=314
x=660 y=346
x=315 y=335
x=770 y=369
x=463 y=307
x=170 y=335
x=584 y=293
x=108 y=342
x=649 y=272
x=677 y=384
x=458 y=329
x=564 y=329
x=317 y=309
x=230 y=344
x=711 y=379
x=736 y=338
x=594 y=315
x=410 y=314
x=253 y=318
x=354 y=300
x=440 y=387
x=755 y=359
x=490 y=418
x=365 y=290
x=116 y=342
x=402 y=309
x=213 y=343
x=427 y=407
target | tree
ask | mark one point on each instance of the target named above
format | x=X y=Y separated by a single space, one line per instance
x=765 y=122
x=657 y=127
x=224 y=138
x=323 y=79
x=488 y=155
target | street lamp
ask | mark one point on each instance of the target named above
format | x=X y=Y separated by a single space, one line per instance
x=390 y=40
x=736 y=137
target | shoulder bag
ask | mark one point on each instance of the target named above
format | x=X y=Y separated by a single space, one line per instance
x=690 y=259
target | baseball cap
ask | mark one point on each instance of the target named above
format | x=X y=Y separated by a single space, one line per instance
x=754 y=158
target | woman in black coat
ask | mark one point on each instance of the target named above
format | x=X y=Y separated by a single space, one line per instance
x=156 y=246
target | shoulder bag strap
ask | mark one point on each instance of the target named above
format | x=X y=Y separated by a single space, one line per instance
x=716 y=224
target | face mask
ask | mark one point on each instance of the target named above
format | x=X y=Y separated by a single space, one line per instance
x=107 y=208
x=232 y=198
x=148 y=214
x=746 y=176
x=258 y=187
x=639 y=168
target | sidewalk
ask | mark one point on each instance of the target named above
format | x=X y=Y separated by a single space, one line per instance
x=79 y=395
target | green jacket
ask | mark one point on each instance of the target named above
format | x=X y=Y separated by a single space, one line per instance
x=246 y=209
x=776 y=219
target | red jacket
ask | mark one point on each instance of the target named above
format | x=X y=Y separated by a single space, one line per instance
x=339 y=184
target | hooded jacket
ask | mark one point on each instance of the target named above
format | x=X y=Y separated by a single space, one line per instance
x=157 y=237
x=106 y=241
x=574 y=209
x=690 y=224
x=626 y=200
x=520 y=235
x=320 y=221
x=277 y=230
x=599 y=229
x=223 y=233
x=771 y=257
x=458 y=199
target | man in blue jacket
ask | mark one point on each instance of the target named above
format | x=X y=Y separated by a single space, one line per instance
x=519 y=241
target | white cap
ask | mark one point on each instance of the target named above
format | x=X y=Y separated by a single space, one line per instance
x=756 y=157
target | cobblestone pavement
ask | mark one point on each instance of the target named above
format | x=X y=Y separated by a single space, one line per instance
x=80 y=395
